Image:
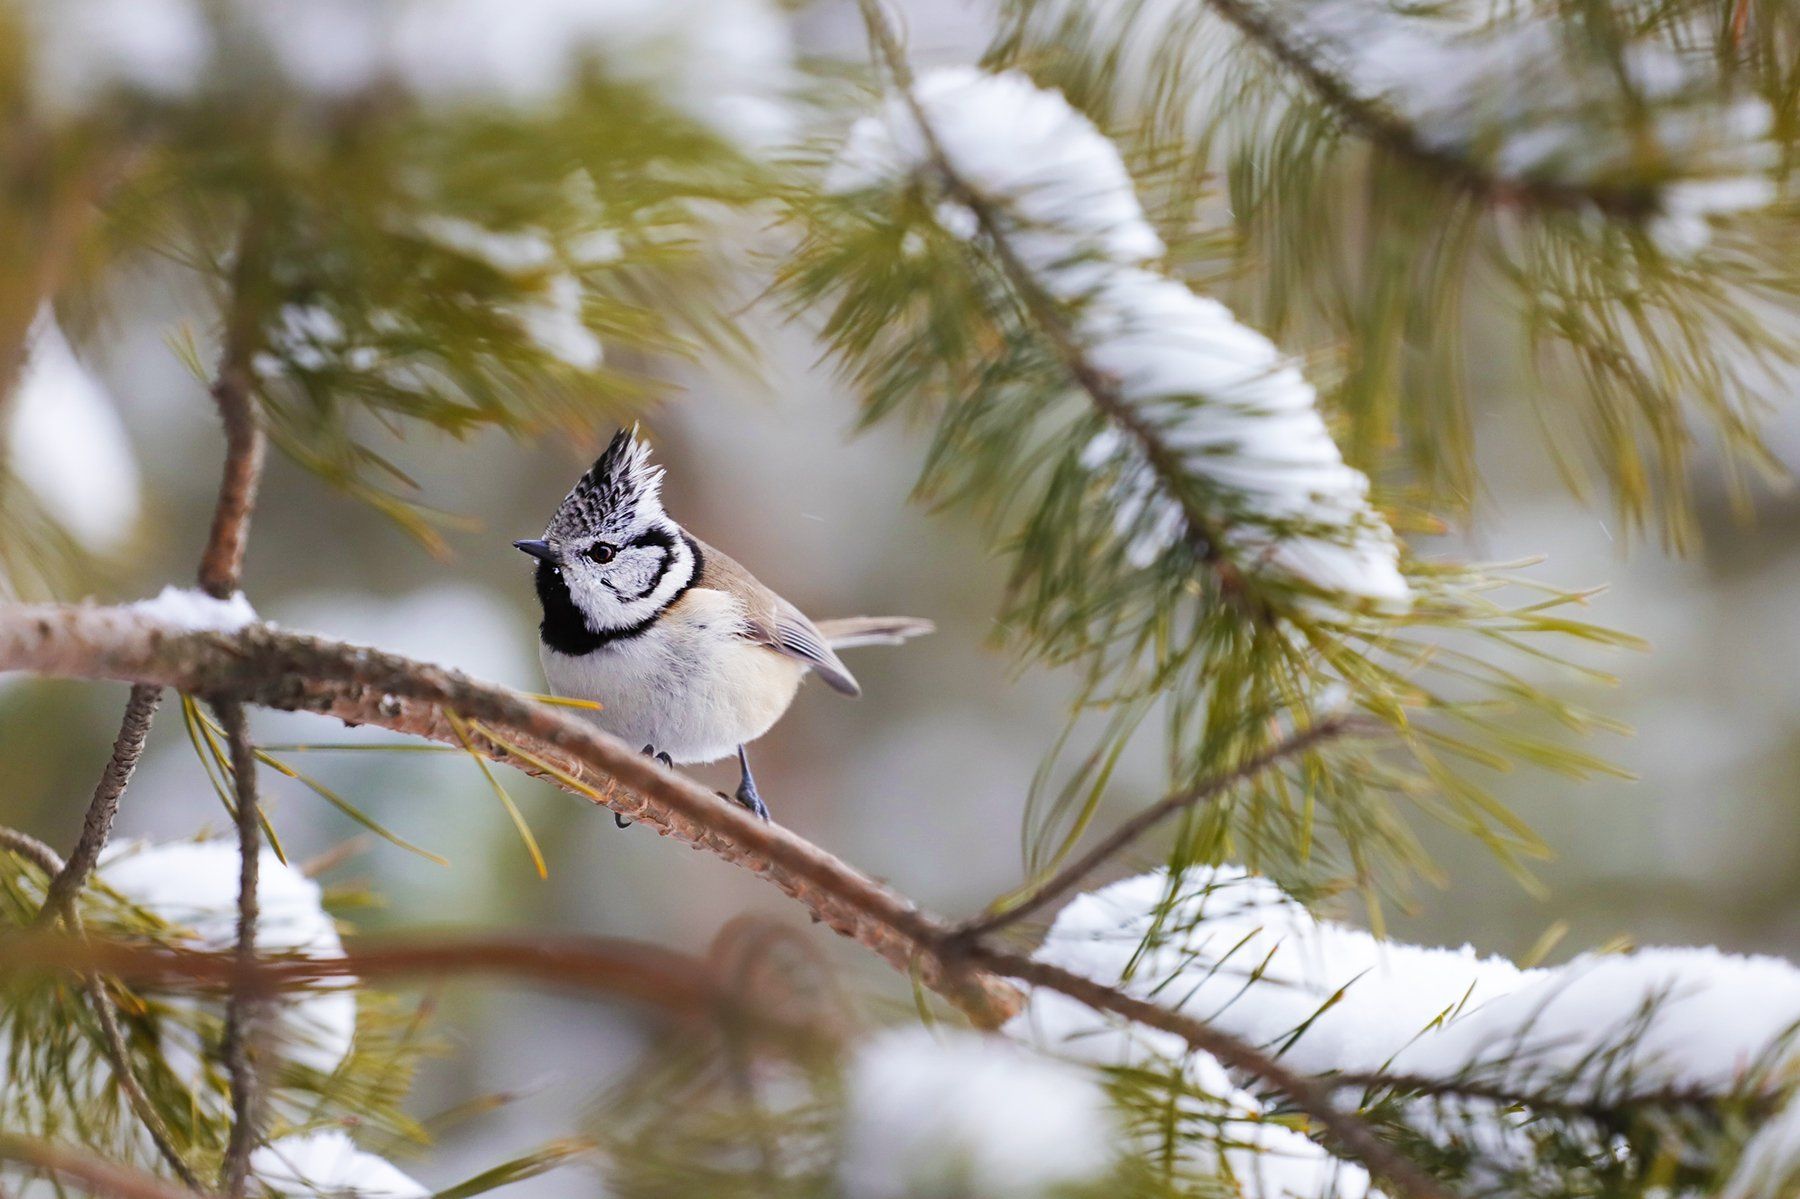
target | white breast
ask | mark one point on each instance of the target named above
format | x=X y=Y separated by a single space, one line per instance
x=688 y=685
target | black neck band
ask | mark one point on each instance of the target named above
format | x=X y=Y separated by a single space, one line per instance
x=565 y=629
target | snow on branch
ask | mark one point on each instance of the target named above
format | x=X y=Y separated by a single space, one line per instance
x=1215 y=439
x=191 y=610
x=930 y=1113
x=328 y=1163
x=1604 y=1027
x=1598 y=1034
x=192 y=887
x=1513 y=107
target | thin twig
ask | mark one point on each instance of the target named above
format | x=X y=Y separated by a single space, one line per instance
x=112 y=1037
x=673 y=983
x=79 y=1166
x=134 y=728
x=32 y=850
x=222 y=563
x=1131 y=829
x=243 y=1010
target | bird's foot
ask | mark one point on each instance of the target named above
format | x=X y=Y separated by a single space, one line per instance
x=648 y=751
x=746 y=792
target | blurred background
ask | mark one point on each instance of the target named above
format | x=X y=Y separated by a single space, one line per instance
x=924 y=780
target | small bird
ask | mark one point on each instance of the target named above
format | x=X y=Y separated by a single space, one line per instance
x=684 y=649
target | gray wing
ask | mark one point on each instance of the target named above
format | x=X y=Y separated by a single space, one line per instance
x=772 y=621
x=799 y=637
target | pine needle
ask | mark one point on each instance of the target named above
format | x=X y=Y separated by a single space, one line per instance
x=500 y=792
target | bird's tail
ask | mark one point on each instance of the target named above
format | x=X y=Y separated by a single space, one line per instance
x=848 y=632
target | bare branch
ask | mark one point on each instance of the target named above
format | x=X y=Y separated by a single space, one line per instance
x=222 y=563
x=32 y=850
x=140 y=708
x=359 y=685
x=1131 y=829
x=671 y=982
x=97 y=1176
x=243 y=1011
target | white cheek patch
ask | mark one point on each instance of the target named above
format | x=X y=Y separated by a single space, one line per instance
x=635 y=573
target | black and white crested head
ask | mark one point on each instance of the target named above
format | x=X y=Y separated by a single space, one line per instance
x=611 y=560
x=621 y=492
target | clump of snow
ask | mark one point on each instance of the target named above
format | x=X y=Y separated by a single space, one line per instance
x=552 y=320
x=65 y=442
x=329 y=1164
x=193 y=886
x=193 y=611
x=1253 y=962
x=1203 y=387
x=953 y=1113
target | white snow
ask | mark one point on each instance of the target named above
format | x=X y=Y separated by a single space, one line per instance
x=65 y=442
x=194 y=611
x=1206 y=387
x=552 y=316
x=1511 y=92
x=553 y=321
x=955 y=1112
x=193 y=886
x=1251 y=961
x=329 y=1164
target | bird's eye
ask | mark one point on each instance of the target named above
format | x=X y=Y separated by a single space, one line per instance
x=602 y=552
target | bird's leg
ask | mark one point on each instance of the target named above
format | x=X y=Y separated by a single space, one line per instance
x=746 y=792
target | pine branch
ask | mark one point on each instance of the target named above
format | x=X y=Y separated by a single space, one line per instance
x=1351 y=1132
x=1042 y=307
x=111 y=1035
x=97 y=1177
x=1142 y=822
x=1602 y=1110
x=362 y=686
x=1380 y=124
x=358 y=685
x=243 y=1011
x=134 y=728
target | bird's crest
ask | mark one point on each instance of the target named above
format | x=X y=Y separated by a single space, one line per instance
x=621 y=491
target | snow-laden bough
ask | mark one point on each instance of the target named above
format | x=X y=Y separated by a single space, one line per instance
x=1197 y=391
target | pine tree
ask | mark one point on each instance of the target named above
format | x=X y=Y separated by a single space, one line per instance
x=1179 y=297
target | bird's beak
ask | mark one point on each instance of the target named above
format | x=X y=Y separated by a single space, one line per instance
x=537 y=549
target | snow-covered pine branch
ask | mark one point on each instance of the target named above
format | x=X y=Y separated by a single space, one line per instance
x=1515 y=107
x=1215 y=439
x=1600 y=1034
